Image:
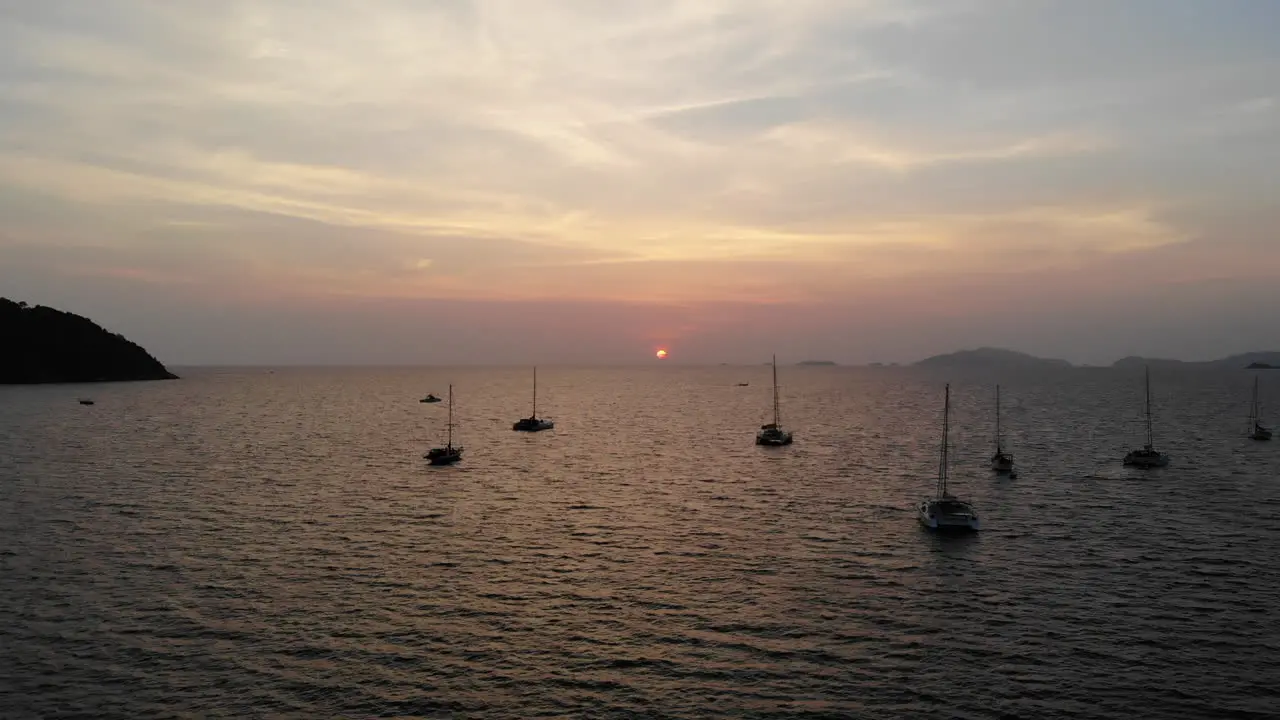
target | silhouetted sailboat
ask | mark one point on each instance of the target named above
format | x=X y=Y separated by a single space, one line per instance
x=1148 y=456
x=533 y=423
x=1001 y=461
x=945 y=511
x=773 y=434
x=448 y=454
x=1256 y=429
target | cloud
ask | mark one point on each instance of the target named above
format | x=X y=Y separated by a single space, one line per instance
x=677 y=151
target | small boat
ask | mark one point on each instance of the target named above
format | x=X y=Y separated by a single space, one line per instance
x=430 y=399
x=533 y=423
x=772 y=434
x=946 y=512
x=743 y=384
x=1256 y=430
x=1148 y=456
x=86 y=401
x=448 y=454
x=1001 y=461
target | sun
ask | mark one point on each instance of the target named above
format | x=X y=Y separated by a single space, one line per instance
x=661 y=354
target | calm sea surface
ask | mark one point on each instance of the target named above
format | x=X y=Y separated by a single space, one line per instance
x=245 y=543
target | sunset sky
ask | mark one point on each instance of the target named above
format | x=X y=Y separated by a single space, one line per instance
x=513 y=181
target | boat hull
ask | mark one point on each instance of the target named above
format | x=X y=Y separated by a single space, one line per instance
x=1002 y=463
x=1261 y=434
x=443 y=456
x=774 y=440
x=530 y=425
x=959 y=517
x=1146 y=461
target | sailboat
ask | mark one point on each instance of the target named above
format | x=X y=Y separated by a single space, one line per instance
x=773 y=434
x=533 y=423
x=1001 y=461
x=945 y=511
x=1148 y=456
x=1256 y=430
x=448 y=454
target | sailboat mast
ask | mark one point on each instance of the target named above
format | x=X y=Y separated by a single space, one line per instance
x=998 y=448
x=1148 y=377
x=535 y=391
x=776 y=420
x=946 y=428
x=449 y=442
x=1255 y=412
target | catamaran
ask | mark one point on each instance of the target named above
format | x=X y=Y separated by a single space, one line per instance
x=448 y=454
x=1001 y=461
x=945 y=511
x=1256 y=429
x=533 y=423
x=1148 y=456
x=772 y=434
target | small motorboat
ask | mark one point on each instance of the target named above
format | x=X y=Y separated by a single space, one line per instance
x=86 y=401
x=430 y=399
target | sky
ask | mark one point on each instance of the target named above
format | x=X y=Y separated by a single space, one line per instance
x=579 y=181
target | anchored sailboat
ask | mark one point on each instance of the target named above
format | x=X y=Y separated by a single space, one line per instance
x=773 y=434
x=945 y=511
x=533 y=423
x=1001 y=461
x=1256 y=429
x=448 y=454
x=1148 y=456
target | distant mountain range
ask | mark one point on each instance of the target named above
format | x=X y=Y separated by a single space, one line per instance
x=988 y=357
x=1259 y=359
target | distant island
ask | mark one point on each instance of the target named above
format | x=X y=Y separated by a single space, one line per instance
x=44 y=345
x=988 y=357
x=815 y=362
x=1257 y=360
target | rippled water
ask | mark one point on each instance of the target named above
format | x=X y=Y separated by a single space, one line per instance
x=244 y=543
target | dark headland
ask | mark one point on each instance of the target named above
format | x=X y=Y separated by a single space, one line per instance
x=44 y=345
x=988 y=357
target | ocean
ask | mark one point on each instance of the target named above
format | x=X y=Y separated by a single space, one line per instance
x=247 y=542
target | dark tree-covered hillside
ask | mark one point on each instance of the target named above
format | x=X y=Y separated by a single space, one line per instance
x=43 y=345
